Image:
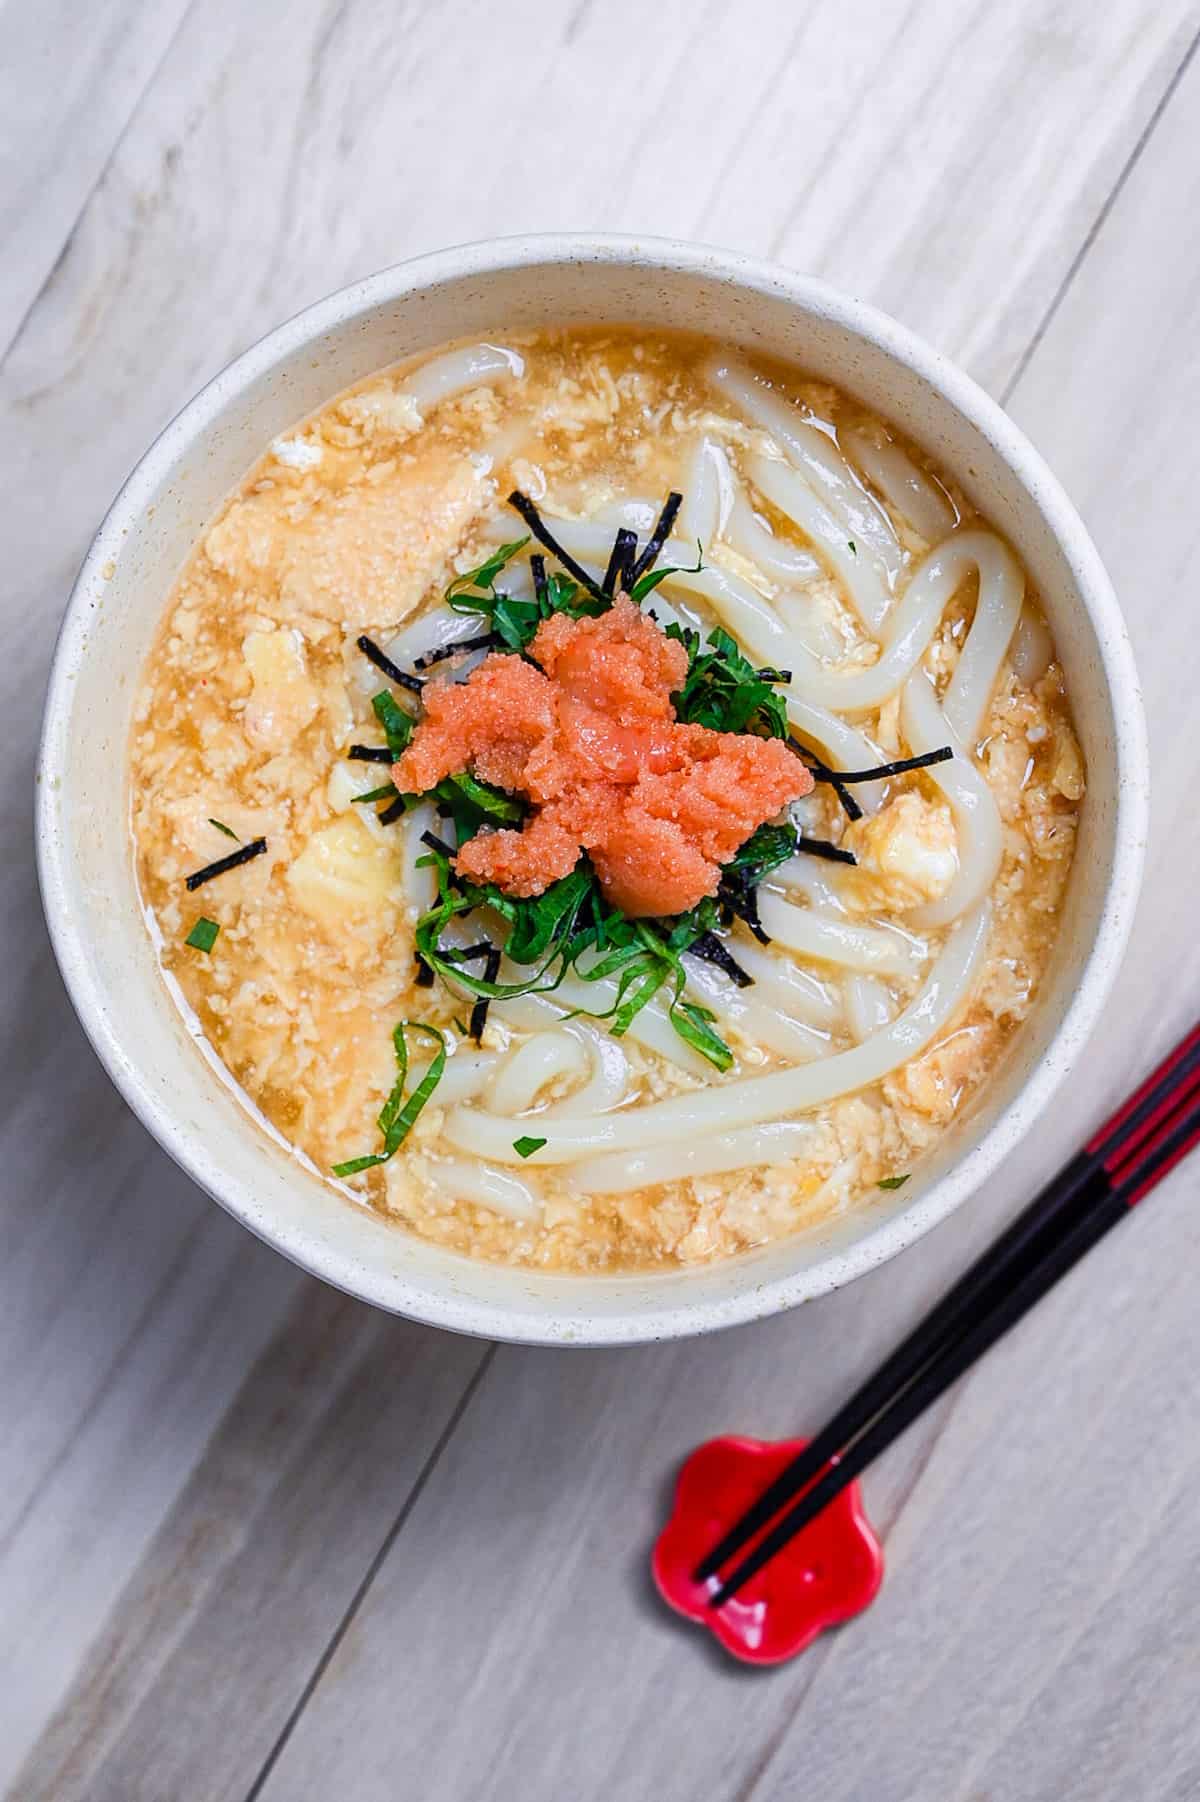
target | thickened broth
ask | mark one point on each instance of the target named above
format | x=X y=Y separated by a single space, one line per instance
x=679 y=991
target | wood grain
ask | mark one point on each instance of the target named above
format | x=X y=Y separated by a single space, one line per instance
x=257 y=1541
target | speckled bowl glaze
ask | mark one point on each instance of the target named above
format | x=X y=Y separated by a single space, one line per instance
x=91 y=902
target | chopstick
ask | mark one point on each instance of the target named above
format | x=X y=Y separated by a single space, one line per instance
x=1144 y=1140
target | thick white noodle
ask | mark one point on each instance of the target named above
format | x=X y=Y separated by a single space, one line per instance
x=418 y=882
x=976 y=816
x=651 y=1028
x=526 y=1071
x=673 y=613
x=1032 y=650
x=779 y=980
x=813 y=878
x=457 y=371
x=815 y=455
x=753 y=1100
x=877 y=949
x=750 y=1148
x=870 y=1004
x=1001 y=595
x=440 y=627
x=569 y=1047
x=863 y=581
x=707 y=496
x=912 y=493
x=608 y=1084
x=911 y=625
x=638 y=515
x=752 y=1014
x=465 y=1179
x=466 y=1075
x=753 y=539
x=802 y=615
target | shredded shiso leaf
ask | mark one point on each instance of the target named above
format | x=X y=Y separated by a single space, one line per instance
x=571 y=927
x=203 y=935
x=398 y=1114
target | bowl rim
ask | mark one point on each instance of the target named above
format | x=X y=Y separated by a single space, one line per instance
x=512 y=1321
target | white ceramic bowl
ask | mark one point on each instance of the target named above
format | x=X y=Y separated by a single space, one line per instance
x=83 y=843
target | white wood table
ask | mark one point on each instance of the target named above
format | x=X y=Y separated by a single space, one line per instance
x=257 y=1541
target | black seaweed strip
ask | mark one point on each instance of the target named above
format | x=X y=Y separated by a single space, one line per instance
x=522 y=504
x=479 y=1012
x=437 y=844
x=709 y=947
x=657 y=538
x=255 y=848
x=393 y=811
x=391 y=670
x=370 y=754
x=902 y=764
x=821 y=847
x=485 y=642
x=623 y=551
x=425 y=976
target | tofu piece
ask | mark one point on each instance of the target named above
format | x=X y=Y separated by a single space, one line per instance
x=343 y=874
x=907 y=854
x=284 y=700
x=363 y=556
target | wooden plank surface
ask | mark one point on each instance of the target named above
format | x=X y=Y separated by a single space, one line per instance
x=256 y=1541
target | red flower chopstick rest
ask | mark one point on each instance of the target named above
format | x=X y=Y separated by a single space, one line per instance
x=829 y=1572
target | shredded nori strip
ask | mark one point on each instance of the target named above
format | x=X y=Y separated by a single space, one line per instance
x=537 y=569
x=899 y=768
x=437 y=844
x=479 y=1012
x=425 y=978
x=624 y=550
x=486 y=641
x=713 y=951
x=522 y=504
x=773 y=675
x=370 y=754
x=657 y=538
x=821 y=847
x=391 y=670
x=255 y=848
x=823 y=773
x=394 y=810
x=737 y=896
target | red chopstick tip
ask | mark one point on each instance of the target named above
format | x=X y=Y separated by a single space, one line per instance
x=830 y=1571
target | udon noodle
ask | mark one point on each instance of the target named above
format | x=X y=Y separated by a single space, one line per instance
x=860 y=990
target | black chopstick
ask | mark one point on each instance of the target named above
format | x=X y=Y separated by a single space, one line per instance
x=1155 y=1128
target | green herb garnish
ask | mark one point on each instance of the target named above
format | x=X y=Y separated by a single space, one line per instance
x=222 y=827
x=525 y=1148
x=853 y=547
x=397 y=1115
x=515 y=622
x=387 y=791
x=203 y=935
x=724 y=690
x=571 y=927
x=397 y=724
x=649 y=582
x=893 y=1182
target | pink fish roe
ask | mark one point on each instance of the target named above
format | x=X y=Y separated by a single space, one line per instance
x=590 y=738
